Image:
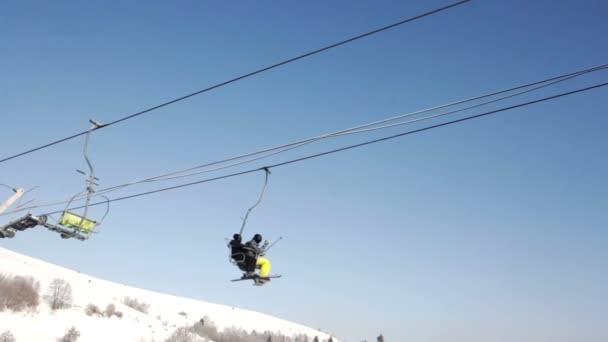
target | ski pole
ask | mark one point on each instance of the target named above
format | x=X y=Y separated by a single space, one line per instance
x=274 y=243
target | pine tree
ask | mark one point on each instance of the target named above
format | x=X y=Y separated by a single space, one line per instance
x=380 y=338
x=316 y=339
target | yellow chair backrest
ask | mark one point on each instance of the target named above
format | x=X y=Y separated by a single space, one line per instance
x=77 y=222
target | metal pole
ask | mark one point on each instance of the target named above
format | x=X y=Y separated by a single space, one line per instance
x=91 y=175
x=18 y=193
x=267 y=171
x=274 y=243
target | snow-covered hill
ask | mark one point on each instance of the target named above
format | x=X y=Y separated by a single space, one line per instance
x=165 y=314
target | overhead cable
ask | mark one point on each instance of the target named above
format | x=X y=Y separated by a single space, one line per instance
x=353 y=130
x=308 y=54
x=361 y=128
x=268 y=167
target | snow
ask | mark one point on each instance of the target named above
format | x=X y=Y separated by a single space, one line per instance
x=165 y=313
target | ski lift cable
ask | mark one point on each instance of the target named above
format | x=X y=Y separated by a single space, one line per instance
x=552 y=81
x=524 y=104
x=442 y=124
x=273 y=66
x=353 y=130
x=457 y=110
x=9 y=187
x=104 y=191
x=349 y=131
x=358 y=129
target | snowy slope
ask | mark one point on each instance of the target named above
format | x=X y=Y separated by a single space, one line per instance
x=165 y=313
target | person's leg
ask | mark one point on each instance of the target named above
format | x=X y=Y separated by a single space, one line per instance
x=249 y=264
x=264 y=265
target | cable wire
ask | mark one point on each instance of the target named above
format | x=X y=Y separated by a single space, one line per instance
x=9 y=187
x=358 y=129
x=352 y=130
x=355 y=145
x=273 y=66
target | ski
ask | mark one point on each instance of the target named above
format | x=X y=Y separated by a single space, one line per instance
x=254 y=277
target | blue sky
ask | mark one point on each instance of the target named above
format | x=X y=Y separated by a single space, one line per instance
x=489 y=230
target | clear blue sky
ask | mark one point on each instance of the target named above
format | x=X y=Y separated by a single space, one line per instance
x=490 y=230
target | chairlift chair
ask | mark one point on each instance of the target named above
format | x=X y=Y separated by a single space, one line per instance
x=72 y=225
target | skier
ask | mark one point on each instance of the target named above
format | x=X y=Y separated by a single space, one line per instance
x=237 y=251
x=255 y=256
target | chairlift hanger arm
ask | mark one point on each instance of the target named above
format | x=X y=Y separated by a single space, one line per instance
x=95 y=126
x=80 y=226
x=266 y=173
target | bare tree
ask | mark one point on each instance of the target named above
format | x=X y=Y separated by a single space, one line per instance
x=133 y=303
x=207 y=329
x=181 y=335
x=71 y=335
x=59 y=294
x=110 y=310
x=92 y=309
x=18 y=293
x=7 y=336
x=301 y=338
